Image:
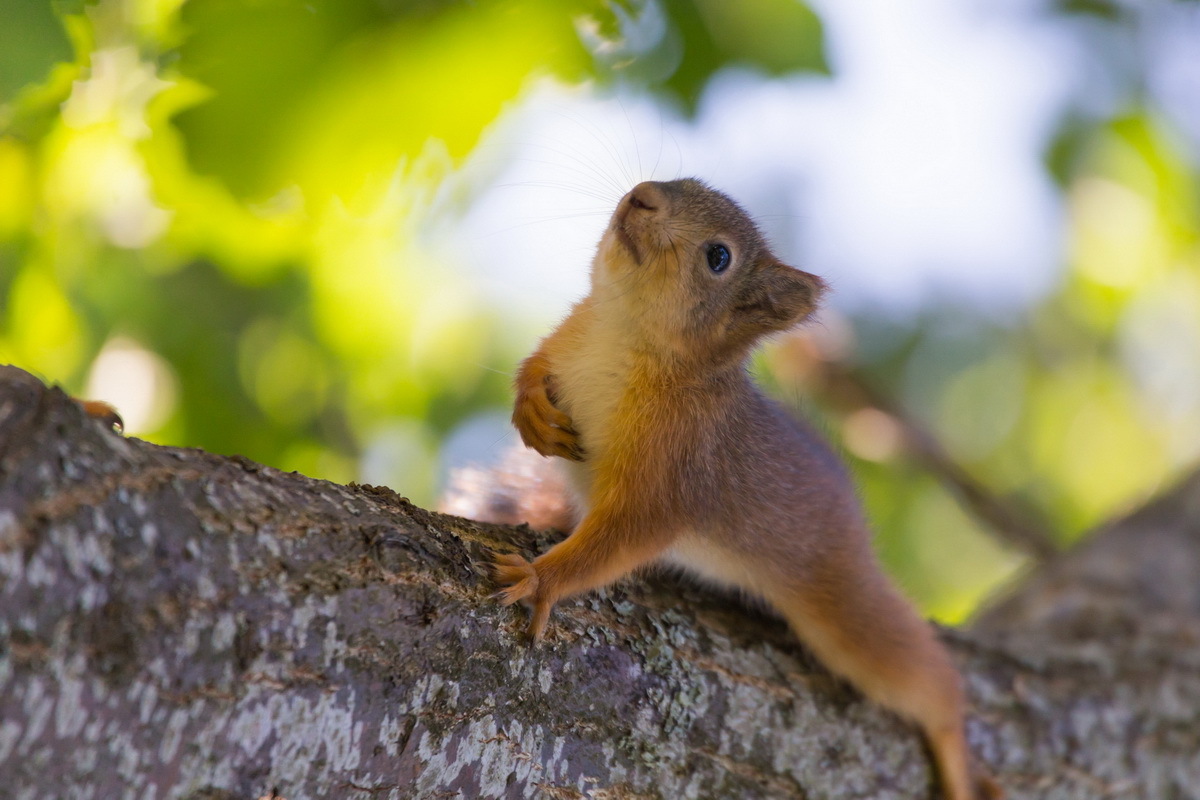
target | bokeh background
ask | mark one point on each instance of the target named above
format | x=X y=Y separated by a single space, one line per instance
x=322 y=233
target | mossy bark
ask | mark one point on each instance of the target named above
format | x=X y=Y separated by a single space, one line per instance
x=179 y=624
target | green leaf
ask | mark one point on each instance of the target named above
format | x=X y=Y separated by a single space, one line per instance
x=1103 y=9
x=773 y=36
x=32 y=41
x=358 y=84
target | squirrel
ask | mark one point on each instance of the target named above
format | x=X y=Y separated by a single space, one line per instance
x=675 y=456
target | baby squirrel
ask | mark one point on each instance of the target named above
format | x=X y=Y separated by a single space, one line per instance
x=676 y=457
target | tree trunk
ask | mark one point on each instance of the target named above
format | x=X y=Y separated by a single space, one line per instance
x=180 y=624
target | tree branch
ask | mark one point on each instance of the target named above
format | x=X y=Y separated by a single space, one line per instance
x=180 y=624
x=1012 y=525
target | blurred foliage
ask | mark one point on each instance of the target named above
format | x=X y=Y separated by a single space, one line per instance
x=1087 y=404
x=32 y=41
x=696 y=38
x=211 y=211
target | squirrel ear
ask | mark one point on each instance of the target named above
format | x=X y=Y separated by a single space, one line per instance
x=782 y=296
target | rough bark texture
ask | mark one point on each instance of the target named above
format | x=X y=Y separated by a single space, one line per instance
x=178 y=624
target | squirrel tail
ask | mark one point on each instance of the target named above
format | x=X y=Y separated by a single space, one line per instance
x=523 y=487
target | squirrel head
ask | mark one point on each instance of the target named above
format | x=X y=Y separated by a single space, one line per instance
x=693 y=274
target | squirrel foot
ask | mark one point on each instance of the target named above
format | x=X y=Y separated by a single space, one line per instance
x=521 y=581
x=542 y=425
x=98 y=409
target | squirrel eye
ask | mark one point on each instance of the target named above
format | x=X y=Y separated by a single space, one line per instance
x=718 y=257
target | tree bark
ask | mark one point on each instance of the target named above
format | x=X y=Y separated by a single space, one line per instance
x=180 y=624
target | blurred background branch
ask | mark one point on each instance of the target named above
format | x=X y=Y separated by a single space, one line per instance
x=321 y=233
x=849 y=392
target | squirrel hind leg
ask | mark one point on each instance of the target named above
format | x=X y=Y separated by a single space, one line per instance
x=867 y=633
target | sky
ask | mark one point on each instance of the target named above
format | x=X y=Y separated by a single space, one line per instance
x=913 y=175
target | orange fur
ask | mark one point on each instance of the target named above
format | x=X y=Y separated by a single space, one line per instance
x=676 y=456
x=98 y=409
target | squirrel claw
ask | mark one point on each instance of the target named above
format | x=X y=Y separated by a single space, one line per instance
x=517 y=575
x=572 y=452
x=521 y=580
x=537 y=623
x=544 y=427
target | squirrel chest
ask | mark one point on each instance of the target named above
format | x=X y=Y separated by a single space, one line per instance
x=592 y=376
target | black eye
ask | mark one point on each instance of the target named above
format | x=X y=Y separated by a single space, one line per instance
x=718 y=257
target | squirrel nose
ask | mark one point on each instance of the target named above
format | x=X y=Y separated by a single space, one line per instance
x=648 y=196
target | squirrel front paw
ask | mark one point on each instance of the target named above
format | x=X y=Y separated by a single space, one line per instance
x=521 y=581
x=542 y=425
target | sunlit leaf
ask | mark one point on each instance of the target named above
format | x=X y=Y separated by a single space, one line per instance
x=366 y=84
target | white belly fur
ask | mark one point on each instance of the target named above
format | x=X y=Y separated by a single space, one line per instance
x=701 y=557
